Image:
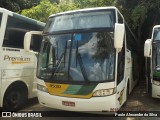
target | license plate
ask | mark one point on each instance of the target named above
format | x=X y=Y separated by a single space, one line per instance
x=67 y=103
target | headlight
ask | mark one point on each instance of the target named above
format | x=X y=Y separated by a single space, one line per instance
x=156 y=82
x=42 y=88
x=103 y=92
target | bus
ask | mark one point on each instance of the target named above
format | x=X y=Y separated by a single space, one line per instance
x=152 y=54
x=17 y=67
x=87 y=61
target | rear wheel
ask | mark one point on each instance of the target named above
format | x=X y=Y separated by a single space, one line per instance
x=14 y=98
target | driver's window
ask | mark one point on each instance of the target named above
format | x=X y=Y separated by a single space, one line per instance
x=50 y=61
x=44 y=55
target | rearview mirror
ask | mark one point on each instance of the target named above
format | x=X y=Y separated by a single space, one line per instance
x=28 y=38
x=147 y=48
x=119 y=36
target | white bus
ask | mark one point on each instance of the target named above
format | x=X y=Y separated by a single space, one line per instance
x=87 y=61
x=152 y=54
x=17 y=67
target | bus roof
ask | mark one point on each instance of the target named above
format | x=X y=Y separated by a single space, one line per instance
x=24 y=18
x=28 y=19
x=156 y=26
x=86 y=9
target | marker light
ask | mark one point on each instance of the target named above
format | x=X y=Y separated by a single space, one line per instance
x=103 y=92
x=42 y=88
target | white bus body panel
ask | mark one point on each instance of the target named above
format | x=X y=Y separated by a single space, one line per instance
x=106 y=103
x=155 y=91
x=92 y=104
x=128 y=71
x=12 y=69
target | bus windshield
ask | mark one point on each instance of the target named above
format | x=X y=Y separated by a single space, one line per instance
x=156 y=53
x=82 y=57
x=81 y=20
x=69 y=53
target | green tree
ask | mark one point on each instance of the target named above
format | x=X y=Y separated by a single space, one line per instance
x=18 y=5
x=48 y=7
x=42 y=11
x=138 y=13
x=94 y=3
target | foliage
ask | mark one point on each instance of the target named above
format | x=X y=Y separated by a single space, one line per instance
x=94 y=3
x=46 y=8
x=42 y=11
x=139 y=15
x=66 y=6
x=53 y=1
x=18 y=5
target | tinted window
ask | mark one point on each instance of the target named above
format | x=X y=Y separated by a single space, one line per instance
x=15 y=31
x=0 y=18
x=81 y=20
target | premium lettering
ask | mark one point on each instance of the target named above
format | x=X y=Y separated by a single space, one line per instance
x=6 y=57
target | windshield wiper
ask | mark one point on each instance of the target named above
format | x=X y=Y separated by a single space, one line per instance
x=55 y=69
x=57 y=65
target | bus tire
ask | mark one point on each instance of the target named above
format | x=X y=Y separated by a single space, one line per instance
x=14 y=98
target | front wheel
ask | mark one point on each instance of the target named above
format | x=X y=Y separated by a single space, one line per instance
x=14 y=99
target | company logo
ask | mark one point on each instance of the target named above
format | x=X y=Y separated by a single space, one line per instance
x=17 y=60
x=6 y=114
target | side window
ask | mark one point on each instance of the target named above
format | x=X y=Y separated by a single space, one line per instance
x=15 y=31
x=120 y=19
x=44 y=56
x=121 y=63
x=0 y=18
